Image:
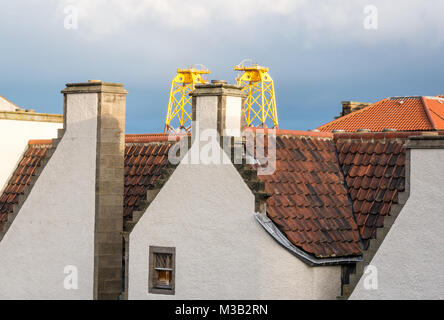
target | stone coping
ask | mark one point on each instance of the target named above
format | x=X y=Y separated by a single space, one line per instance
x=218 y=89
x=31 y=116
x=94 y=86
x=425 y=142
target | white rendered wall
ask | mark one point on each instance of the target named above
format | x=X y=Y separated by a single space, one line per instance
x=410 y=260
x=233 y=116
x=5 y=105
x=14 y=137
x=55 y=226
x=207 y=213
x=206 y=114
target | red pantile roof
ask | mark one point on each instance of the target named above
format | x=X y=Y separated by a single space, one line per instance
x=375 y=174
x=435 y=109
x=400 y=113
x=21 y=177
x=309 y=201
x=145 y=156
x=309 y=197
x=143 y=165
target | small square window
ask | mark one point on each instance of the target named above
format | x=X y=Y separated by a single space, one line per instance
x=161 y=273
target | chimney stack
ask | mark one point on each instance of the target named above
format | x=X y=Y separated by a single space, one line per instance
x=104 y=103
x=218 y=106
x=352 y=106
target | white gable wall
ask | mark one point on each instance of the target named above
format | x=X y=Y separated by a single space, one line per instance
x=14 y=137
x=55 y=226
x=6 y=105
x=410 y=260
x=207 y=213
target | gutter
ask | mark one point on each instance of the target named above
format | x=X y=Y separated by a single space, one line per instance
x=309 y=259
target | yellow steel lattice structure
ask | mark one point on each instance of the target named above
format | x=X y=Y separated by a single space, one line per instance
x=260 y=104
x=179 y=116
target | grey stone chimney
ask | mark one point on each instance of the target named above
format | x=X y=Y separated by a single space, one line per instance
x=106 y=102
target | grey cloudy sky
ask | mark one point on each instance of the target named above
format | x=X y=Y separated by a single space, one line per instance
x=318 y=52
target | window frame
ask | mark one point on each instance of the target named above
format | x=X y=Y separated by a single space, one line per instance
x=152 y=288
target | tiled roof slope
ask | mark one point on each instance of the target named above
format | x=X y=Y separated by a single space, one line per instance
x=309 y=201
x=400 y=113
x=143 y=166
x=145 y=156
x=375 y=174
x=21 y=177
x=436 y=111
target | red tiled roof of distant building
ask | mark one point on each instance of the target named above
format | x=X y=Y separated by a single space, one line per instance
x=399 y=113
x=436 y=111
x=389 y=135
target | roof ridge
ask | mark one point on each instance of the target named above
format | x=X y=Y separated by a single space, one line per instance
x=145 y=134
x=438 y=97
x=437 y=114
x=379 y=136
x=427 y=111
x=40 y=142
x=404 y=97
x=153 y=137
x=296 y=133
